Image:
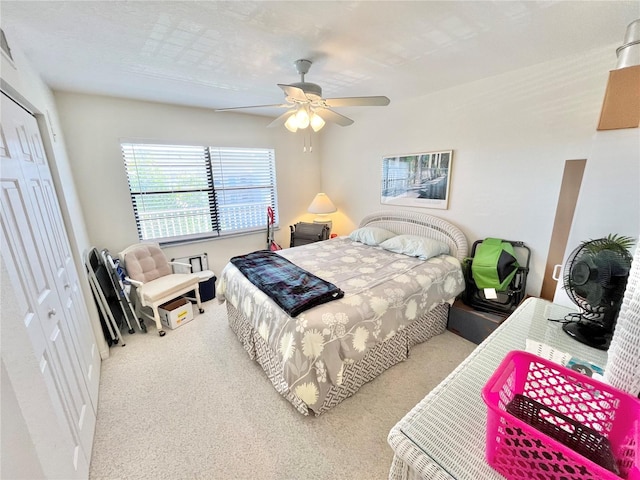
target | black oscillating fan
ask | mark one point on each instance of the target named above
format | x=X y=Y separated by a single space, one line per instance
x=595 y=277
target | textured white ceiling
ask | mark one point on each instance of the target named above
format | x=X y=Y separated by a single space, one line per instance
x=219 y=54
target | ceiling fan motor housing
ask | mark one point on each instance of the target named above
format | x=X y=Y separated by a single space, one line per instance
x=313 y=91
x=303 y=66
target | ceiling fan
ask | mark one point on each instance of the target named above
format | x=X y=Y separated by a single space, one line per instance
x=306 y=107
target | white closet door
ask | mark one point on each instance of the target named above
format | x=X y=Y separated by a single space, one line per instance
x=29 y=237
x=57 y=244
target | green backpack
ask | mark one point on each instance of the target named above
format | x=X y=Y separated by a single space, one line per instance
x=494 y=264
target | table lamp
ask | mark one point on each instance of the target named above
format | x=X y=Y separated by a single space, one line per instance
x=322 y=206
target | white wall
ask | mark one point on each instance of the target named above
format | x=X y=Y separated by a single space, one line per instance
x=511 y=135
x=94 y=127
x=609 y=200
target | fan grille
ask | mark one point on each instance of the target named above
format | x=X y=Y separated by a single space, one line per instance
x=595 y=277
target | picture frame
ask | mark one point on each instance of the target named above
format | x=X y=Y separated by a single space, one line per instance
x=417 y=179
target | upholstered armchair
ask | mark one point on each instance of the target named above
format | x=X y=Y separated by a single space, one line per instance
x=153 y=281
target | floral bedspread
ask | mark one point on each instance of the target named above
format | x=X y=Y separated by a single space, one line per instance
x=384 y=292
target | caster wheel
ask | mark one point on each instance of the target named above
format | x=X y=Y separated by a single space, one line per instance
x=131 y=331
x=162 y=333
x=115 y=342
x=202 y=310
x=143 y=327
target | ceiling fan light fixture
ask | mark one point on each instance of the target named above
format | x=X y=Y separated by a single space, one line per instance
x=317 y=122
x=302 y=118
x=292 y=124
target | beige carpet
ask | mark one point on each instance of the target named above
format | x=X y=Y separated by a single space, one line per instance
x=193 y=405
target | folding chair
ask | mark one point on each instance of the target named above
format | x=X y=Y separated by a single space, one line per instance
x=496 y=275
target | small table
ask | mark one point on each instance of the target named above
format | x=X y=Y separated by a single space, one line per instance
x=443 y=437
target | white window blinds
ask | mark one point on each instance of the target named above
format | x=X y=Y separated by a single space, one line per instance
x=182 y=192
x=245 y=185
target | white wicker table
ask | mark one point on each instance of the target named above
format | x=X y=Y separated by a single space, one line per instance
x=443 y=437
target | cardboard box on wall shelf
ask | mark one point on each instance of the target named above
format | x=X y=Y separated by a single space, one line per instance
x=621 y=105
x=175 y=313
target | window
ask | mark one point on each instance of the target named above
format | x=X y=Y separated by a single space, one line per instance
x=184 y=192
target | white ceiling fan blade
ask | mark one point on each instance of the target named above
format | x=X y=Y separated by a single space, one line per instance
x=294 y=92
x=281 y=119
x=357 y=102
x=334 y=117
x=275 y=105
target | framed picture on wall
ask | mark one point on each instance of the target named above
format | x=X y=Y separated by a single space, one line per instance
x=417 y=179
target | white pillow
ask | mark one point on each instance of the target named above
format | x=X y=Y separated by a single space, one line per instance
x=371 y=235
x=416 y=246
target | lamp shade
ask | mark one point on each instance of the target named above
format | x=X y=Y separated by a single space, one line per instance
x=322 y=204
x=292 y=124
x=302 y=118
x=316 y=122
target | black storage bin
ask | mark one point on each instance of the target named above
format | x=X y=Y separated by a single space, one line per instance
x=206 y=287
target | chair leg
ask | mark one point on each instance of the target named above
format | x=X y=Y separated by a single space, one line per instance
x=156 y=317
x=198 y=302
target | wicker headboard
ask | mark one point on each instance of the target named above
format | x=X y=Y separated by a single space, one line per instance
x=414 y=223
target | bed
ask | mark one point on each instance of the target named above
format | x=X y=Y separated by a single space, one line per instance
x=391 y=302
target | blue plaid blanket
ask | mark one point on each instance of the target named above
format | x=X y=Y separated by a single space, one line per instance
x=290 y=286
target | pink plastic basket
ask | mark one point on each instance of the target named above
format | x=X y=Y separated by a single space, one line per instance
x=545 y=421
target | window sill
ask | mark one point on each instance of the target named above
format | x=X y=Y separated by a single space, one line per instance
x=213 y=238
